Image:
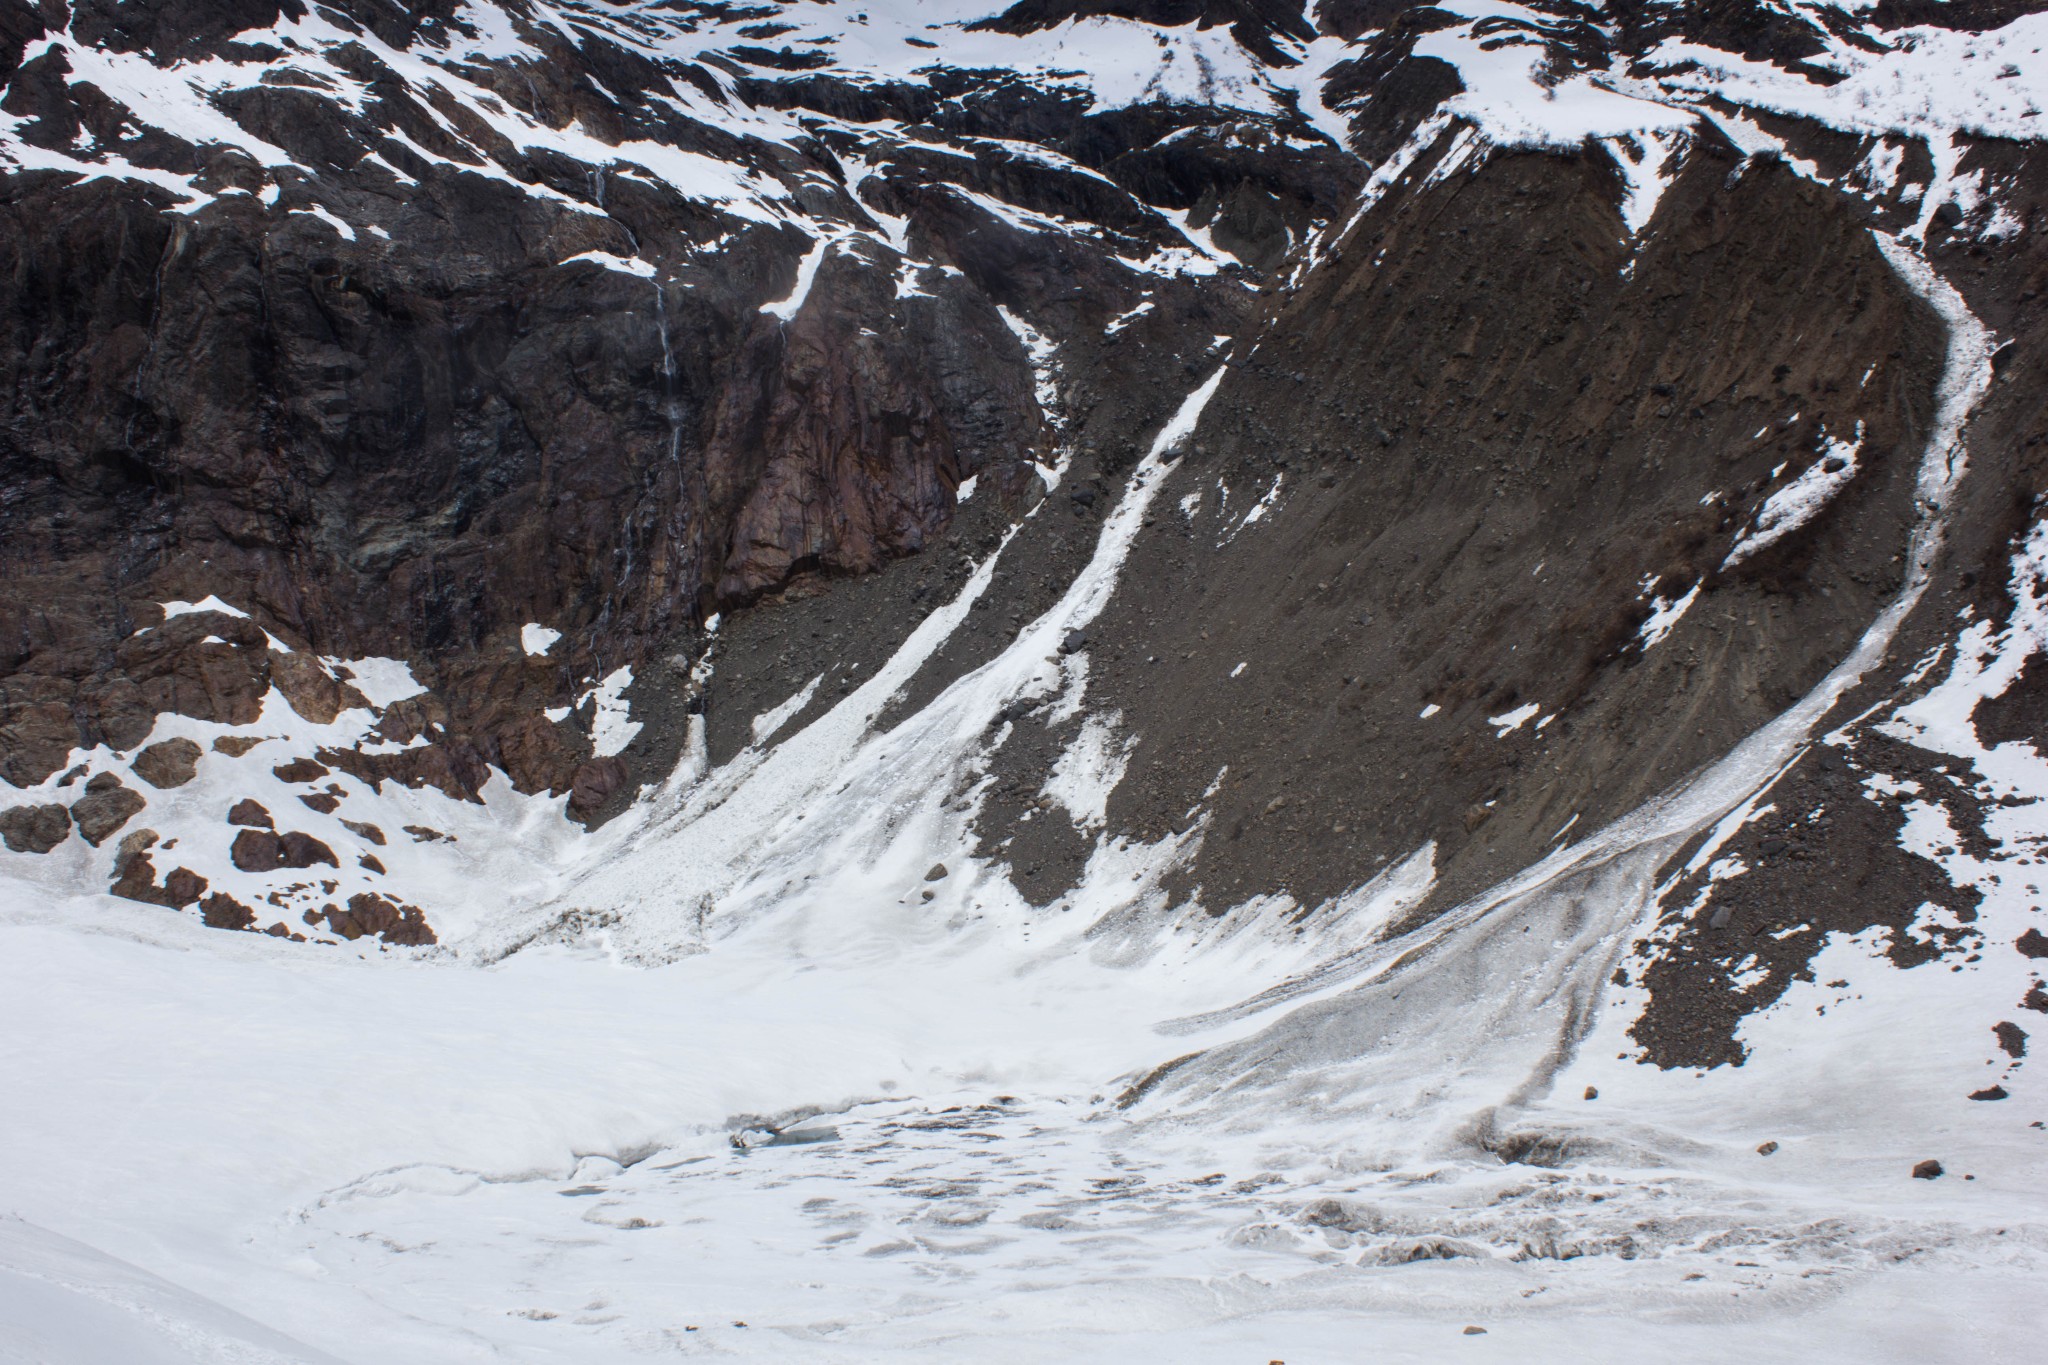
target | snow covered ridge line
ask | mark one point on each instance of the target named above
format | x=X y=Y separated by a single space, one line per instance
x=180 y=100
x=1112 y=62
x=1526 y=83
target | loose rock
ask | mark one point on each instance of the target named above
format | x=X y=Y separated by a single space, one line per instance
x=170 y=763
x=105 y=807
x=35 y=829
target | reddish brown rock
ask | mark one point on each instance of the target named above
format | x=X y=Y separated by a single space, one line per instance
x=222 y=911
x=456 y=771
x=322 y=802
x=363 y=830
x=371 y=914
x=369 y=862
x=135 y=876
x=299 y=770
x=105 y=807
x=168 y=763
x=311 y=690
x=250 y=812
x=259 y=850
x=37 y=732
x=303 y=850
x=594 y=783
x=234 y=746
x=35 y=829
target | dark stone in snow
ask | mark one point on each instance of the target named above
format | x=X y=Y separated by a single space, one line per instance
x=2011 y=1037
x=1989 y=1092
x=1012 y=711
x=1767 y=1148
x=258 y=850
x=2033 y=943
x=937 y=873
x=35 y=829
x=222 y=911
x=171 y=763
x=1077 y=641
x=249 y=812
x=1928 y=1170
x=106 y=806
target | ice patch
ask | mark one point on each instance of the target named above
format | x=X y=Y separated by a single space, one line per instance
x=613 y=729
x=1800 y=501
x=791 y=304
x=1664 y=614
x=1124 y=320
x=1506 y=724
x=624 y=265
x=537 y=639
x=382 y=681
x=206 y=603
x=768 y=722
x=1088 y=770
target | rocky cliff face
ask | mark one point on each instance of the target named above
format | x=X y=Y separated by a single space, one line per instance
x=504 y=415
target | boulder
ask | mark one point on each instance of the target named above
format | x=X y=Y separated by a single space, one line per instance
x=105 y=807
x=251 y=813
x=222 y=911
x=168 y=763
x=261 y=850
x=35 y=829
